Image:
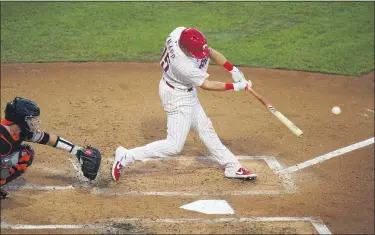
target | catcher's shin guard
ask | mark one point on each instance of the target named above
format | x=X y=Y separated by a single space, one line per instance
x=26 y=155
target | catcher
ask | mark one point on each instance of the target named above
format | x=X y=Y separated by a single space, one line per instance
x=20 y=124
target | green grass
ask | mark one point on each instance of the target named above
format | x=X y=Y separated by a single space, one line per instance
x=328 y=37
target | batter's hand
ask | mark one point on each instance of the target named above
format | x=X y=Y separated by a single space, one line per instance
x=244 y=85
x=237 y=75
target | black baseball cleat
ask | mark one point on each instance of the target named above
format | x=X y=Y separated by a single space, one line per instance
x=3 y=194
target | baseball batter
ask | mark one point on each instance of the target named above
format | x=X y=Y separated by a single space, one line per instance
x=184 y=63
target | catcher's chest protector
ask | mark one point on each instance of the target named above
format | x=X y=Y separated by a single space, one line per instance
x=8 y=144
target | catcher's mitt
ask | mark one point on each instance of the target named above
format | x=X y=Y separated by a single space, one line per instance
x=90 y=159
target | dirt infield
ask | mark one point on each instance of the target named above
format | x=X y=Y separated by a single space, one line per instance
x=112 y=104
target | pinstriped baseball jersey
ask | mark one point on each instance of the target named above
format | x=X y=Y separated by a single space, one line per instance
x=178 y=69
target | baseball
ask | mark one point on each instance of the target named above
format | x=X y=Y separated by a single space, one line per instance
x=336 y=110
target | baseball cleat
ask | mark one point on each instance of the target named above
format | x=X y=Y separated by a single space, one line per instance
x=242 y=173
x=120 y=154
x=3 y=194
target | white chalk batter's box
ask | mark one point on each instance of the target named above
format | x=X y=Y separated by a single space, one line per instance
x=174 y=176
x=252 y=225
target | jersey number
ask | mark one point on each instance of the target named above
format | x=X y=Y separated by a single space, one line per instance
x=164 y=62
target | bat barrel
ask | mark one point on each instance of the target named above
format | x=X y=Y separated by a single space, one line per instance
x=293 y=128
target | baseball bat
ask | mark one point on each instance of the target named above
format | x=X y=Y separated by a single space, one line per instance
x=293 y=128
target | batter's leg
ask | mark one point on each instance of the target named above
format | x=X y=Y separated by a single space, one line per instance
x=203 y=126
x=179 y=108
x=178 y=127
x=178 y=124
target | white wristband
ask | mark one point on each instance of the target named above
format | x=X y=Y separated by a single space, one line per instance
x=63 y=144
x=74 y=149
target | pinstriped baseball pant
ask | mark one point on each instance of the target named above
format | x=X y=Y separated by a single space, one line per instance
x=184 y=111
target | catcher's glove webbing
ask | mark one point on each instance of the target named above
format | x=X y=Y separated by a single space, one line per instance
x=90 y=159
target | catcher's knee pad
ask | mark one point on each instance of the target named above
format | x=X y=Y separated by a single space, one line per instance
x=26 y=155
x=6 y=164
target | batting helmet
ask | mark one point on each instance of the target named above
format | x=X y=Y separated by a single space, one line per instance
x=195 y=43
x=24 y=113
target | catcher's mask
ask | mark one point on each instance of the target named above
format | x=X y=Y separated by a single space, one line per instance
x=195 y=43
x=24 y=113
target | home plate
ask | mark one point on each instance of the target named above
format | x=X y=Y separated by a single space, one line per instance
x=209 y=207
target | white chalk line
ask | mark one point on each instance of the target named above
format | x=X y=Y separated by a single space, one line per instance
x=363 y=114
x=84 y=182
x=271 y=161
x=286 y=178
x=317 y=223
x=370 y=110
x=56 y=226
x=283 y=173
x=327 y=156
x=110 y=192
x=320 y=226
x=185 y=158
x=40 y=187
